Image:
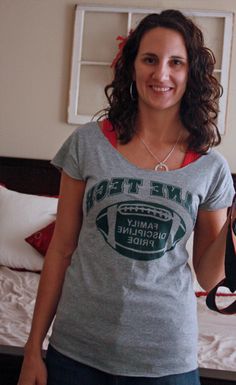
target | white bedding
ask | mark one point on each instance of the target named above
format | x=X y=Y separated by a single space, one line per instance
x=217 y=336
x=217 y=333
x=17 y=297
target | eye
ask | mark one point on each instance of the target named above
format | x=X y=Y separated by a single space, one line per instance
x=177 y=62
x=149 y=60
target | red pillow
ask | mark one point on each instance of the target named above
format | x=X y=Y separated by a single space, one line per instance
x=40 y=239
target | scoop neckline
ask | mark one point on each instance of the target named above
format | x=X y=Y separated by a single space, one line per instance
x=147 y=170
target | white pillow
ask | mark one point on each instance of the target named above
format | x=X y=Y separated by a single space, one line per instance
x=20 y=215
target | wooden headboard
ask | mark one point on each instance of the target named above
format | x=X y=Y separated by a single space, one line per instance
x=31 y=176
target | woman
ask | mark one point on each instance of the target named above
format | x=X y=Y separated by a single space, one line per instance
x=116 y=272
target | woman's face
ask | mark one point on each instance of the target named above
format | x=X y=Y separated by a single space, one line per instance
x=161 y=70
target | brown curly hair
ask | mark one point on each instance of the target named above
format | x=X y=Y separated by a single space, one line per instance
x=199 y=105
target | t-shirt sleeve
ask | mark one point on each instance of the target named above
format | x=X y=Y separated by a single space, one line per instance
x=67 y=157
x=221 y=191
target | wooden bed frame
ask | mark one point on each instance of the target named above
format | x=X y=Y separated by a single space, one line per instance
x=35 y=176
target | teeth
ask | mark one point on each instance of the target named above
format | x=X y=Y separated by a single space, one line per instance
x=161 y=89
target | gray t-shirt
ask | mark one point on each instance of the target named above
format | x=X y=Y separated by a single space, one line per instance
x=128 y=305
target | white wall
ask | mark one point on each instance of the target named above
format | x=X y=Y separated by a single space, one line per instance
x=35 y=54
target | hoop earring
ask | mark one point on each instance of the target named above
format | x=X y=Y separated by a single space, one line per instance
x=131 y=91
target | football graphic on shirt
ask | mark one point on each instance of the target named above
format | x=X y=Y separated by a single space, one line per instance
x=140 y=230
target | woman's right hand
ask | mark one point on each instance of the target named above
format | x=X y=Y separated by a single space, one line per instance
x=33 y=371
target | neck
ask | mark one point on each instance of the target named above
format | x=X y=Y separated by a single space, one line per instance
x=159 y=127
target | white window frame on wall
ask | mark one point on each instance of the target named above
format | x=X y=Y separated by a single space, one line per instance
x=80 y=12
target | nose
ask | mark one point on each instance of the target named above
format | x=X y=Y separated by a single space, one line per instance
x=161 y=72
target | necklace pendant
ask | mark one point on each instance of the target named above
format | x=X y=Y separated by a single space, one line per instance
x=161 y=166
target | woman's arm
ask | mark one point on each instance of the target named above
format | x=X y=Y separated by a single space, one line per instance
x=57 y=259
x=209 y=247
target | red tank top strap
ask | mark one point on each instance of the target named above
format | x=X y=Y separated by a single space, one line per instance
x=109 y=132
x=190 y=157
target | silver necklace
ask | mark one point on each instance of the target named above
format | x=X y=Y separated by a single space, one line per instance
x=161 y=165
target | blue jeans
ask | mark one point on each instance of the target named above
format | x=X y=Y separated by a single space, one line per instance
x=65 y=371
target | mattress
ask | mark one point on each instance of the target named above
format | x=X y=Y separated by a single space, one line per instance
x=217 y=332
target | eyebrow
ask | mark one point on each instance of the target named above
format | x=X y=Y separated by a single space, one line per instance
x=172 y=56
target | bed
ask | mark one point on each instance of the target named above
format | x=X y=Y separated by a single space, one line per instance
x=30 y=187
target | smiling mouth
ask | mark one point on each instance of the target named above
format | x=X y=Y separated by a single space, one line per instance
x=161 y=89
